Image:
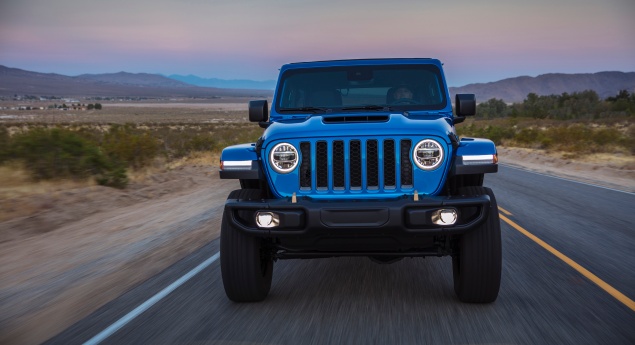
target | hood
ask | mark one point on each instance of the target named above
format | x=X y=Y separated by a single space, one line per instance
x=339 y=125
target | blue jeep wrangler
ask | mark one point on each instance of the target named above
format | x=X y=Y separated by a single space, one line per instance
x=361 y=158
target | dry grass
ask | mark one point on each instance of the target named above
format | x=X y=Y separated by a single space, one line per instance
x=209 y=159
x=17 y=191
x=20 y=195
x=15 y=181
x=575 y=137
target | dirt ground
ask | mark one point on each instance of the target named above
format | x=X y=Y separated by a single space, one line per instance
x=80 y=248
x=67 y=251
x=607 y=170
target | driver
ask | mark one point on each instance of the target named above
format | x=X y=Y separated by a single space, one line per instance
x=402 y=92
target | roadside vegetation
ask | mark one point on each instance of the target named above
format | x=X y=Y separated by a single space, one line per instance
x=578 y=123
x=107 y=153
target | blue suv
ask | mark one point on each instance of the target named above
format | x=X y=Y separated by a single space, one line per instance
x=361 y=158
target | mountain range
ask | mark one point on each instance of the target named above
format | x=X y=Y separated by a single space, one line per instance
x=606 y=84
x=14 y=81
x=226 y=84
x=123 y=84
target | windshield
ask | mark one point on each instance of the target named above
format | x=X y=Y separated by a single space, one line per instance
x=363 y=88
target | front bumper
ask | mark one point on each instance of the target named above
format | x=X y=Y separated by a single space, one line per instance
x=396 y=218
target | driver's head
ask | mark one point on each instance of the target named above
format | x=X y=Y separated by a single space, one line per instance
x=403 y=92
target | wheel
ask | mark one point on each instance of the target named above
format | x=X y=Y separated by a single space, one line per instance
x=246 y=266
x=476 y=266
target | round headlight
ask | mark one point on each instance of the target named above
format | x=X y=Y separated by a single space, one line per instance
x=428 y=154
x=283 y=158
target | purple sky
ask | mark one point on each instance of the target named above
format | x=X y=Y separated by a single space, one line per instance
x=479 y=41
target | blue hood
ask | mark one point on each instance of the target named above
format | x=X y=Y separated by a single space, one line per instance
x=319 y=127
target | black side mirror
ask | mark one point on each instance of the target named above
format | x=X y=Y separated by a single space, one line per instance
x=258 y=111
x=465 y=104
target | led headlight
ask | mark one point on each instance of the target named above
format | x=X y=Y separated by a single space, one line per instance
x=283 y=158
x=428 y=154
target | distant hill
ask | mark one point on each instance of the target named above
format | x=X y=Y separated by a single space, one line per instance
x=516 y=89
x=136 y=79
x=223 y=83
x=123 y=84
x=17 y=81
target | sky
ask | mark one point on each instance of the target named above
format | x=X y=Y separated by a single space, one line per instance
x=478 y=41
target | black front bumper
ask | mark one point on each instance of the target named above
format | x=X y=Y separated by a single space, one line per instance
x=395 y=218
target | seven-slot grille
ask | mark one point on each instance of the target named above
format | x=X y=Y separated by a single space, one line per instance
x=372 y=164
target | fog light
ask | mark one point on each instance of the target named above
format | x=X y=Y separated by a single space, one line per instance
x=267 y=219
x=445 y=216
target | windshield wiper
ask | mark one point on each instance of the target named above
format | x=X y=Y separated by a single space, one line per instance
x=368 y=107
x=310 y=109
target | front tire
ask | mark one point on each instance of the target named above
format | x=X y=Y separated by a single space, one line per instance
x=246 y=265
x=477 y=263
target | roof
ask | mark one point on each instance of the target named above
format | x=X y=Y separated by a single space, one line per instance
x=363 y=62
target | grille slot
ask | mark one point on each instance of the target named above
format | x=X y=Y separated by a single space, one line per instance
x=372 y=164
x=338 y=164
x=321 y=165
x=305 y=166
x=356 y=164
x=390 y=178
x=405 y=163
x=355 y=157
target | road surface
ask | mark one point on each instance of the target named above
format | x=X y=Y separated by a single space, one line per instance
x=568 y=278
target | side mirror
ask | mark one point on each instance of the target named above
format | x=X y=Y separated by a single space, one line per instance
x=258 y=111
x=465 y=104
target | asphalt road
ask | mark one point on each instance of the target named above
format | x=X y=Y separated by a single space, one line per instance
x=544 y=299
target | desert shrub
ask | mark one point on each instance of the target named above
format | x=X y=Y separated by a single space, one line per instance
x=606 y=136
x=129 y=146
x=495 y=133
x=575 y=136
x=61 y=153
x=579 y=138
x=202 y=142
x=528 y=136
x=628 y=139
x=183 y=139
x=4 y=144
x=115 y=177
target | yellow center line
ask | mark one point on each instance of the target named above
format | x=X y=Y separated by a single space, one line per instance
x=505 y=211
x=592 y=277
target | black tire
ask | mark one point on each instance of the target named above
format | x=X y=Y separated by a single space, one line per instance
x=246 y=267
x=477 y=264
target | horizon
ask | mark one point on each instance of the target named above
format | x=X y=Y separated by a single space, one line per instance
x=232 y=40
x=168 y=75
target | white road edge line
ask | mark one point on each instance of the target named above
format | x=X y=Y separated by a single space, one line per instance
x=149 y=303
x=565 y=179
